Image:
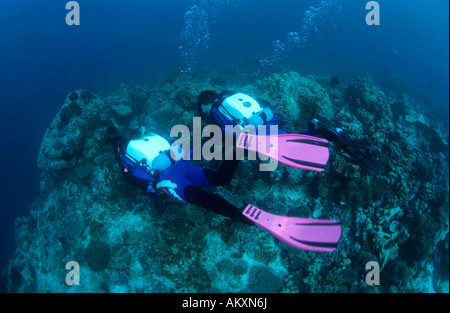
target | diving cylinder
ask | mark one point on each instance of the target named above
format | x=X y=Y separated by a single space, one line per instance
x=151 y=151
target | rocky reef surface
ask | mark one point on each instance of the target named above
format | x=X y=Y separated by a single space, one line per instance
x=86 y=212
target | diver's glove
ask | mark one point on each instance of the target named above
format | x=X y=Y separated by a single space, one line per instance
x=166 y=184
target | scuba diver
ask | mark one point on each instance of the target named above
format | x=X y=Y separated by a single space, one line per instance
x=232 y=108
x=151 y=163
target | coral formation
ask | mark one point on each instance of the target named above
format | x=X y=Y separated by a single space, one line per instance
x=88 y=213
x=262 y=279
x=97 y=255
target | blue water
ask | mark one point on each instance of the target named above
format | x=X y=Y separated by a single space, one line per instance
x=42 y=59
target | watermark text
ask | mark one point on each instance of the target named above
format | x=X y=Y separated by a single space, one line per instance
x=373 y=17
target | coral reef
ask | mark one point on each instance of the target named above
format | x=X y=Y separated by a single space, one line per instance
x=296 y=99
x=87 y=212
x=262 y=279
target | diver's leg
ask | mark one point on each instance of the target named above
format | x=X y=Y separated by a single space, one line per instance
x=214 y=203
x=224 y=175
x=209 y=201
x=187 y=174
x=204 y=177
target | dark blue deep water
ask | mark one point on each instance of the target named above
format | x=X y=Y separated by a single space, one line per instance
x=42 y=59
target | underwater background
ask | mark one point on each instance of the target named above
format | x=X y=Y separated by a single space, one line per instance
x=143 y=63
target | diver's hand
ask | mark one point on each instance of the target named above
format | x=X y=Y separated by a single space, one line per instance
x=166 y=184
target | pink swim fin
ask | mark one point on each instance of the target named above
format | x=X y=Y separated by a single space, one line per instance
x=294 y=150
x=301 y=233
